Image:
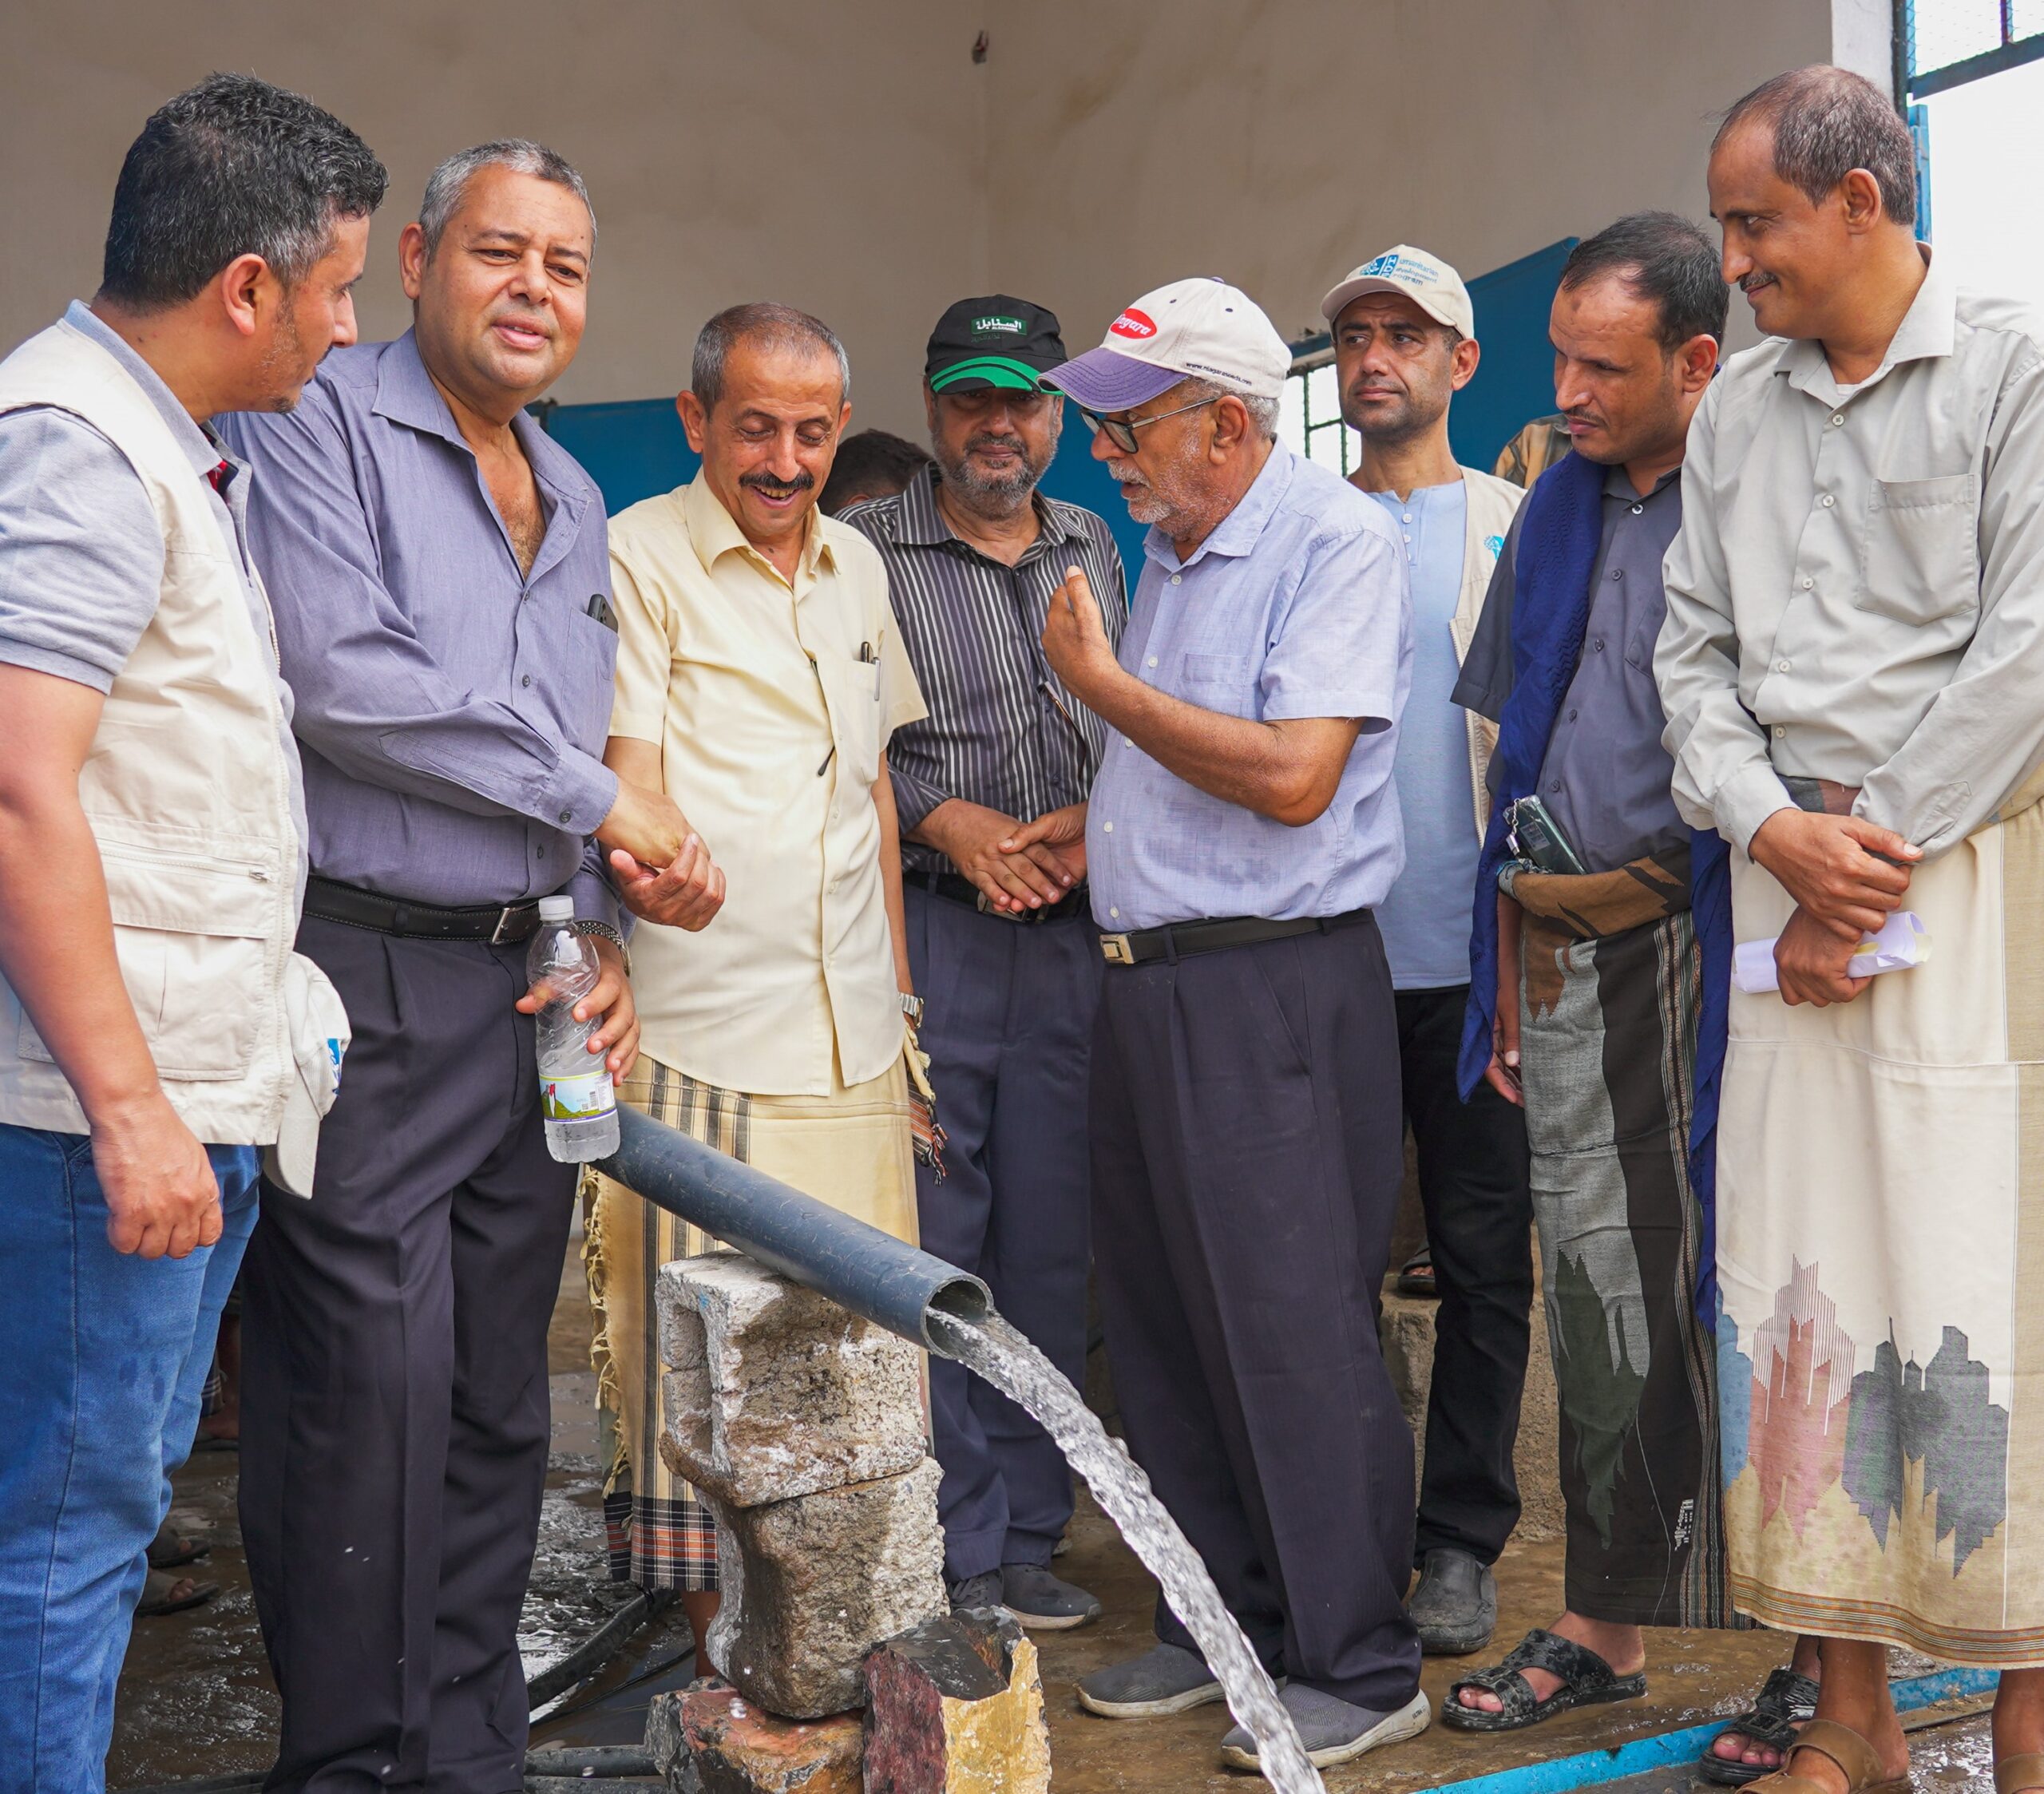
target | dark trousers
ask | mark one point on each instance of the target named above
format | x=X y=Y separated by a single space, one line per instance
x=1478 y=1203
x=1246 y=1160
x=1009 y=1032
x=394 y=1417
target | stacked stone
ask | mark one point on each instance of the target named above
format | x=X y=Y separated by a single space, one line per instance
x=801 y=1426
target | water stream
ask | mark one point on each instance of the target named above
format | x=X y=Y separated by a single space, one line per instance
x=996 y=1351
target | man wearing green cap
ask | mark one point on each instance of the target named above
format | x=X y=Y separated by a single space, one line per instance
x=998 y=933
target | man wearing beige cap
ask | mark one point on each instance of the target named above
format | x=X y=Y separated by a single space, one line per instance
x=1240 y=834
x=1405 y=343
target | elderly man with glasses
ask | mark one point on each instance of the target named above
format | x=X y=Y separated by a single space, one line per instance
x=998 y=940
x=1246 y=1146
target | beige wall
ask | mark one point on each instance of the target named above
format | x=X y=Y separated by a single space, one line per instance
x=1277 y=143
x=817 y=152
x=848 y=156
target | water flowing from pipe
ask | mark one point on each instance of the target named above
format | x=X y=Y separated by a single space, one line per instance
x=996 y=1351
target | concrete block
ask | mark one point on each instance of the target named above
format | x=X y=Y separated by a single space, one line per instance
x=715 y=1741
x=811 y=1584
x=775 y=1391
x=954 y=1706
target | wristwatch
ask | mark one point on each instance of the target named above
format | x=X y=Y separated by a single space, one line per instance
x=911 y=1006
x=590 y=925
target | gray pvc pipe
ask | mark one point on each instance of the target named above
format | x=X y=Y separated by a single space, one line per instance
x=857 y=1265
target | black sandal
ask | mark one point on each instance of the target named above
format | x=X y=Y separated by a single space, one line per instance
x=1587 y=1679
x=1785 y=1702
x=1416 y=1277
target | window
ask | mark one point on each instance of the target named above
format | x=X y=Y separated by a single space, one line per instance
x=1310 y=413
x=1951 y=41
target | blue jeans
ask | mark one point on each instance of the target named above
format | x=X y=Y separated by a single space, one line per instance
x=105 y=1355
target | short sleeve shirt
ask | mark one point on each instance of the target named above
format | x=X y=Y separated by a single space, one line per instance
x=771 y=702
x=1295 y=606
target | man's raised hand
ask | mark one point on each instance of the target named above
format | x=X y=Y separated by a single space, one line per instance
x=1074 y=639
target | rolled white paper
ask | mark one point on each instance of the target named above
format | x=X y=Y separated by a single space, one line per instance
x=1901 y=943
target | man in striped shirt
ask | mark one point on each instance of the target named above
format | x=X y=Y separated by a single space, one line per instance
x=991 y=790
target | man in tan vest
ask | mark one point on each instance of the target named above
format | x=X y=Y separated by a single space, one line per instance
x=156 y=1028
x=1404 y=344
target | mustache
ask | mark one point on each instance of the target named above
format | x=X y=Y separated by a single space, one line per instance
x=775 y=488
x=1752 y=283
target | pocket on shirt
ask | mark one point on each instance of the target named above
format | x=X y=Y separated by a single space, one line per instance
x=1217 y=682
x=851 y=688
x=1920 y=557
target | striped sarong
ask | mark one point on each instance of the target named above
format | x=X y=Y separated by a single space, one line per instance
x=851 y=1149
x=1610 y=982
x=1881 y=1254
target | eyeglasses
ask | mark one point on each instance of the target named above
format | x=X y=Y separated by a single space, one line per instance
x=1121 y=431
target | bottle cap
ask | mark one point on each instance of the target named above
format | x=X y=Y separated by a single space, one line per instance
x=556 y=909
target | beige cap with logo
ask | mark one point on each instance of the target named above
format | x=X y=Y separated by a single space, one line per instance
x=1199 y=329
x=1428 y=281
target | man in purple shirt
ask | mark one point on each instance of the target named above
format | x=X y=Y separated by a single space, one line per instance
x=440 y=574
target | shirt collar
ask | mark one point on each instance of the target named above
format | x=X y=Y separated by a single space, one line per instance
x=924 y=525
x=1617 y=484
x=202 y=448
x=714 y=533
x=1237 y=533
x=405 y=395
x=1928 y=330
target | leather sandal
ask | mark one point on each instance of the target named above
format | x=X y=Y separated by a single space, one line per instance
x=2014 y=1775
x=1586 y=1680
x=1855 y=1757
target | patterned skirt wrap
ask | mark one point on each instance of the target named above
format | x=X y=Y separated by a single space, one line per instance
x=1610 y=988
x=1880 y=1250
x=850 y=1149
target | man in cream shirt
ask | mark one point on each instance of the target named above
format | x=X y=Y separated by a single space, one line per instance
x=759 y=676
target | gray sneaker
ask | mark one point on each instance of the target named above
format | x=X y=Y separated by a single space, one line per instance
x=1455 y=1605
x=1332 y=1731
x=982 y=1591
x=1042 y=1602
x=1163 y=1680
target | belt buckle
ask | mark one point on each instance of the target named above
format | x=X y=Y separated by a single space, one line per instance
x=1114 y=950
x=497 y=936
x=987 y=908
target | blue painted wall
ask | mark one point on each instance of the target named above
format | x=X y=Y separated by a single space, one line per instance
x=634 y=448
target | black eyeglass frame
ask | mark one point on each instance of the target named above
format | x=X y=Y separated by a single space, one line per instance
x=1121 y=431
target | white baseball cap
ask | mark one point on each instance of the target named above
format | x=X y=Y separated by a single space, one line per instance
x=1192 y=330
x=317 y=1028
x=1428 y=281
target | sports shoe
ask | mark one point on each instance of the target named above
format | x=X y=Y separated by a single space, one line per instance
x=1039 y=1599
x=982 y=1591
x=1164 y=1680
x=1332 y=1731
x=1455 y=1605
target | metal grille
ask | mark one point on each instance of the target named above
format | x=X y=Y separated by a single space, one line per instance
x=1952 y=41
x=1310 y=413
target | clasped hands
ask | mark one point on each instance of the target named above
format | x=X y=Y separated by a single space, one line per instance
x=1842 y=893
x=1018 y=866
x=665 y=872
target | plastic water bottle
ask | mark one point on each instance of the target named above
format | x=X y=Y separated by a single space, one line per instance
x=576 y=1096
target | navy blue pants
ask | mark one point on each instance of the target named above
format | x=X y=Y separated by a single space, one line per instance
x=1247 y=1153
x=1009 y=1032
x=394 y=1409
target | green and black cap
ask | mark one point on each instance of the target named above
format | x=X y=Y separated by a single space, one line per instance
x=992 y=341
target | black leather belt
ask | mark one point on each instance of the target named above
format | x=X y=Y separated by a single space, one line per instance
x=959 y=889
x=1176 y=940
x=499 y=924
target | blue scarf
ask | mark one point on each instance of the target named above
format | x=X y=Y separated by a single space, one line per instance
x=1558 y=542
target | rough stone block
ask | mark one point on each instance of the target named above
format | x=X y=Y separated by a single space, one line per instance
x=812 y=1584
x=956 y=1707
x=773 y=1390
x=715 y=1741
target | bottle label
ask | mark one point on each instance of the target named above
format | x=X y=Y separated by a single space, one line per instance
x=586 y=1097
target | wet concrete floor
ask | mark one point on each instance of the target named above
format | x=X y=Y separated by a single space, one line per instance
x=196 y=1697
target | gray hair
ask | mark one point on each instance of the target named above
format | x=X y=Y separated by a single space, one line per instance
x=1262 y=412
x=447 y=184
x=775 y=326
x=1826 y=122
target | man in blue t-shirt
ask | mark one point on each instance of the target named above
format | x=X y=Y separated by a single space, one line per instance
x=1405 y=343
